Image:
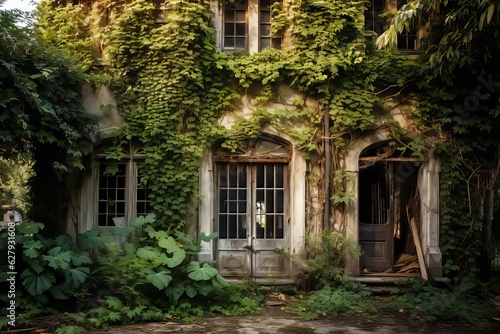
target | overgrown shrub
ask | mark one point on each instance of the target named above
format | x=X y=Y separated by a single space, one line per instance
x=149 y=275
x=347 y=297
x=466 y=301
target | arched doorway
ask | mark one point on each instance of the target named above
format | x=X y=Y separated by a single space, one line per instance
x=388 y=199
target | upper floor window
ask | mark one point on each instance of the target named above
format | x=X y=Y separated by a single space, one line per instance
x=373 y=20
x=246 y=26
x=406 y=40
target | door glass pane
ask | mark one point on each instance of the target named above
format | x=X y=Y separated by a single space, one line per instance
x=272 y=200
x=232 y=206
x=232 y=227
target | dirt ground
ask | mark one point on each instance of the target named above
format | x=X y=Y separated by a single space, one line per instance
x=274 y=320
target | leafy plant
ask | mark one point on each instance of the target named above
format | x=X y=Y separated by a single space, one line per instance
x=347 y=297
x=326 y=258
x=467 y=301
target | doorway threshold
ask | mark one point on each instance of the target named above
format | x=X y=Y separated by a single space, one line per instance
x=265 y=281
x=382 y=278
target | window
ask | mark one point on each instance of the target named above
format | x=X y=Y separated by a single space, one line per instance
x=373 y=21
x=235 y=25
x=267 y=40
x=121 y=196
x=407 y=40
x=246 y=26
x=111 y=202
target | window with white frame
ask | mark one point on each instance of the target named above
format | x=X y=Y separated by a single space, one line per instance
x=246 y=26
x=120 y=196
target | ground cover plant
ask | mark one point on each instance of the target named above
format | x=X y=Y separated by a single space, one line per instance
x=148 y=276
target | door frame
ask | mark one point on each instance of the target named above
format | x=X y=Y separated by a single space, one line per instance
x=206 y=208
x=428 y=186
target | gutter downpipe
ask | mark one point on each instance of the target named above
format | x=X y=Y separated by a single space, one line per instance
x=328 y=162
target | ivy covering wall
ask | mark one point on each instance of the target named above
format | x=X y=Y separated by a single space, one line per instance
x=173 y=85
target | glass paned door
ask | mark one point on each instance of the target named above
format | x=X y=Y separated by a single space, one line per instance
x=251 y=218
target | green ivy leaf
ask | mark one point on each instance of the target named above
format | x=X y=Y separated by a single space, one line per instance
x=198 y=273
x=29 y=227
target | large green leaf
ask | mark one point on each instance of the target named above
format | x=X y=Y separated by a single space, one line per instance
x=191 y=290
x=31 y=248
x=141 y=220
x=159 y=279
x=81 y=258
x=209 y=237
x=177 y=258
x=76 y=276
x=147 y=253
x=36 y=284
x=198 y=273
x=168 y=243
x=29 y=227
x=60 y=291
x=58 y=259
x=175 y=290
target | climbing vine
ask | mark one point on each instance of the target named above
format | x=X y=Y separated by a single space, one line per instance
x=173 y=87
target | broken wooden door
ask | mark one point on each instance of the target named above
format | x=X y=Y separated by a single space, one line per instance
x=376 y=227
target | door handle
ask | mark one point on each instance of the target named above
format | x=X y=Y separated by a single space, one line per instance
x=250 y=248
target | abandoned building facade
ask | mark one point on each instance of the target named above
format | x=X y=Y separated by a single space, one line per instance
x=264 y=196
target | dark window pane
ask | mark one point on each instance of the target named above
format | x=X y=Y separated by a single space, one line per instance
x=111 y=181
x=102 y=220
x=259 y=231
x=229 y=42
x=270 y=201
x=269 y=227
x=223 y=176
x=242 y=203
x=120 y=195
x=240 y=29
x=229 y=15
x=240 y=43
x=121 y=182
x=260 y=195
x=265 y=43
x=265 y=30
x=223 y=200
x=240 y=16
x=265 y=4
x=260 y=176
x=265 y=17
x=242 y=227
x=269 y=176
x=228 y=29
x=279 y=201
x=242 y=177
x=233 y=176
x=279 y=176
x=279 y=227
x=276 y=43
x=223 y=226
x=232 y=233
x=120 y=208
